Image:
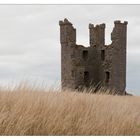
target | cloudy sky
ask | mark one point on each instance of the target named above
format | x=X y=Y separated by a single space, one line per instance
x=30 y=47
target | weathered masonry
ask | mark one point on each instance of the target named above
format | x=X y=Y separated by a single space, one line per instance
x=96 y=65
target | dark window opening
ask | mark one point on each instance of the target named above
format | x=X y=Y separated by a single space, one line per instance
x=85 y=55
x=72 y=73
x=86 y=78
x=103 y=55
x=107 y=77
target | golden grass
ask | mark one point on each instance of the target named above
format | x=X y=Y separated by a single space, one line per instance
x=29 y=112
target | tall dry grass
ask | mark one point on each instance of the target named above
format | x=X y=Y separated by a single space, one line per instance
x=28 y=112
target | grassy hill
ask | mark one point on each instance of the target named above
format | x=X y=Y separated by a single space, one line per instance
x=36 y=112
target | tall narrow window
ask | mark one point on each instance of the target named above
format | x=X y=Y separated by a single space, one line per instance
x=86 y=78
x=72 y=73
x=107 y=77
x=85 y=54
x=103 y=55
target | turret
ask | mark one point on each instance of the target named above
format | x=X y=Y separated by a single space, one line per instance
x=97 y=35
x=68 y=43
x=119 y=30
x=119 y=40
x=67 y=33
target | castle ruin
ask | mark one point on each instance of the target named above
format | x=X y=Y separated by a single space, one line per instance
x=97 y=65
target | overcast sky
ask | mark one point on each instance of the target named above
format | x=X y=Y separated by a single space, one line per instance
x=29 y=39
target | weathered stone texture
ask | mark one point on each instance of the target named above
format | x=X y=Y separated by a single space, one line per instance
x=98 y=64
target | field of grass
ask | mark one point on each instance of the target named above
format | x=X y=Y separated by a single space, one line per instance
x=36 y=112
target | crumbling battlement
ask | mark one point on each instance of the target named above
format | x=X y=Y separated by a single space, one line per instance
x=96 y=65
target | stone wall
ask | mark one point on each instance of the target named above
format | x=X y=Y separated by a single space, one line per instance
x=97 y=64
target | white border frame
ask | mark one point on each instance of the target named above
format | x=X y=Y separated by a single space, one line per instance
x=69 y=2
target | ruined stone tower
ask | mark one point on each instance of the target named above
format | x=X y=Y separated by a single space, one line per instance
x=96 y=65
